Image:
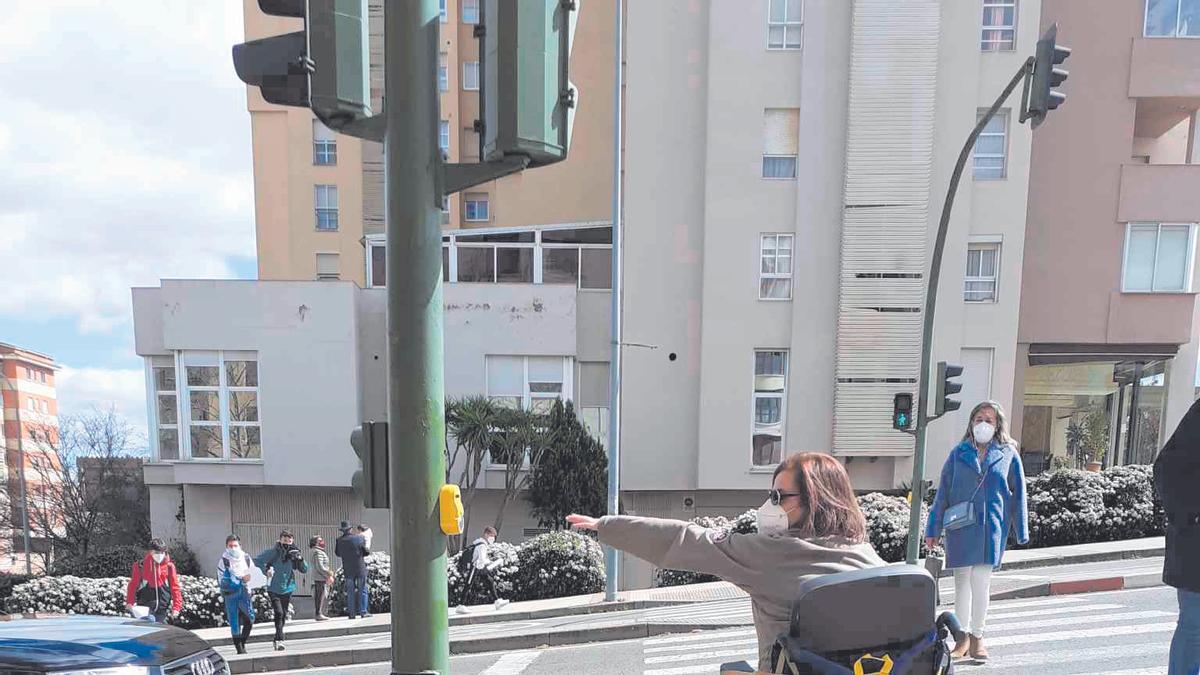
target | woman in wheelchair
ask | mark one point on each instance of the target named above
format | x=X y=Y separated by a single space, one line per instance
x=810 y=525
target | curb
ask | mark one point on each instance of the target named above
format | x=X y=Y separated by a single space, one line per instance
x=1099 y=585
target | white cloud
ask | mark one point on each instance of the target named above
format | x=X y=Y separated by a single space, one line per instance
x=124 y=153
x=124 y=390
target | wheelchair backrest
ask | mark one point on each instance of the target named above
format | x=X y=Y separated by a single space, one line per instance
x=875 y=606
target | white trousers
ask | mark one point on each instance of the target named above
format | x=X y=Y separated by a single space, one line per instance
x=972 y=589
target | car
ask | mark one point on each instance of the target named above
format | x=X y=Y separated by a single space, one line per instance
x=100 y=645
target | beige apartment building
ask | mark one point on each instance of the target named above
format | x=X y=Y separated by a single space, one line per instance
x=319 y=195
x=1107 y=329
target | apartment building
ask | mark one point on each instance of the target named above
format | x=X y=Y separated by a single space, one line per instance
x=30 y=423
x=1107 y=329
x=319 y=195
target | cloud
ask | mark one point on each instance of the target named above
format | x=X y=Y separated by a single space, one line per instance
x=124 y=390
x=124 y=153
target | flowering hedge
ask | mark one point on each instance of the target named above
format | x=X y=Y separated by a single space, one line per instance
x=202 y=603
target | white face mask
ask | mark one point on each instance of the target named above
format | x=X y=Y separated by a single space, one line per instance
x=984 y=432
x=158 y=557
x=233 y=551
x=490 y=540
x=772 y=519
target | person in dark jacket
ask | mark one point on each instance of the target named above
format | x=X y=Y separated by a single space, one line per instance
x=352 y=549
x=1176 y=479
x=281 y=562
x=154 y=584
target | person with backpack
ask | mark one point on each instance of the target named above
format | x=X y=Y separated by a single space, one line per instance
x=234 y=570
x=351 y=547
x=281 y=562
x=154 y=584
x=474 y=562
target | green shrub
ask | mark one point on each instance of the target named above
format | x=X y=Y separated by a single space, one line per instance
x=556 y=565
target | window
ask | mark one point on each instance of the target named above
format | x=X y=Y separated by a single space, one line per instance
x=982 y=266
x=1172 y=18
x=770 y=393
x=991 y=148
x=44 y=407
x=443 y=73
x=442 y=10
x=470 y=11
x=241 y=385
x=31 y=405
x=377 y=266
x=471 y=75
x=475 y=207
x=1158 y=257
x=999 y=25
x=444 y=136
x=781 y=127
x=775 y=269
x=784 y=24
x=324 y=145
x=328 y=267
x=166 y=406
x=325 y=199
x=533 y=383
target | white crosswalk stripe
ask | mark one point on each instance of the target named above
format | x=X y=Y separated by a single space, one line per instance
x=1062 y=634
x=513 y=663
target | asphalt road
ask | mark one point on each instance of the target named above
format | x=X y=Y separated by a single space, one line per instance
x=1122 y=632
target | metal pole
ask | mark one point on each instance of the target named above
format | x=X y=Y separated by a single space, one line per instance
x=24 y=490
x=614 y=369
x=935 y=266
x=1132 y=448
x=416 y=429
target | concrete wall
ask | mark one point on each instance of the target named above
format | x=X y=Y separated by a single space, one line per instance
x=208 y=522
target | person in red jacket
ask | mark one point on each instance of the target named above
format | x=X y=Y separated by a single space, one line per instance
x=154 y=584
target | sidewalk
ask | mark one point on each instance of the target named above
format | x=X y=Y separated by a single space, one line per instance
x=529 y=628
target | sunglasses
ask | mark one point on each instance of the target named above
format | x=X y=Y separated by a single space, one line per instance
x=778 y=496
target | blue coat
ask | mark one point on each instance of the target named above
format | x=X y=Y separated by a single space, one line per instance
x=1000 y=504
x=283 y=581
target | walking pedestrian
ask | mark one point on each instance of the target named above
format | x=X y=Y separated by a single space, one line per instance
x=322 y=576
x=281 y=562
x=1176 y=478
x=980 y=502
x=352 y=549
x=810 y=525
x=475 y=562
x=154 y=584
x=233 y=577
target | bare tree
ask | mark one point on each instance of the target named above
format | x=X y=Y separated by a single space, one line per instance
x=84 y=486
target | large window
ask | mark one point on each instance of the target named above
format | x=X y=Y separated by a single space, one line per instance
x=991 y=148
x=770 y=397
x=219 y=396
x=1172 y=18
x=785 y=24
x=1158 y=257
x=532 y=383
x=999 y=25
x=471 y=75
x=982 y=272
x=775 y=268
x=781 y=128
x=325 y=202
x=324 y=145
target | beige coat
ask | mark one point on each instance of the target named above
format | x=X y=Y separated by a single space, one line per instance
x=767 y=568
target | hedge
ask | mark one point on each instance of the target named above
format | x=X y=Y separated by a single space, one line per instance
x=115 y=561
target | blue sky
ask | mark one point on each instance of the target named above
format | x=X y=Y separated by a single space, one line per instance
x=124 y=159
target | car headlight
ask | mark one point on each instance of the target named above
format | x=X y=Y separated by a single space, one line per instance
x=115 y=670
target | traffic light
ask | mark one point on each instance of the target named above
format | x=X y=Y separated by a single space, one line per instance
x=370 y=482
x=942 y=403
x=902 y=409
x=1042 y=96
x=324 y=66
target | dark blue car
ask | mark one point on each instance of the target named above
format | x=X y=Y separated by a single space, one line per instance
x=69 y=644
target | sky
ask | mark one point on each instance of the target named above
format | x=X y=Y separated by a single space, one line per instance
x=124 y=159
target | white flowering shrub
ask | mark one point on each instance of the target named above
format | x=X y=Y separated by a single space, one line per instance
x=557 y=565
x=379 y=587
x=1131 y=507
x=480 y=593
x=746 y=523
x=887 y=524
x=1065 y=507
x=203 y=606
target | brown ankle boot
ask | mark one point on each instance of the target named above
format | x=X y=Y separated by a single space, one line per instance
x=978 y=651
x=960 y=648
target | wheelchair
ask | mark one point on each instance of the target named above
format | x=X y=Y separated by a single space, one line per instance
x=880 y=621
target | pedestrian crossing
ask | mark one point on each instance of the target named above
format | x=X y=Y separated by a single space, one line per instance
x=735 y=612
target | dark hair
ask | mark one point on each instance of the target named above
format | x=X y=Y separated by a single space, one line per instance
x=314 y=540
x=827 y=502
x=286 y=533
x=157 y=545
x=489 y=530
x=232 y=538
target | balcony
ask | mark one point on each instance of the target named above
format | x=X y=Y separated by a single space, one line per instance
x=1159 y=193
x=1165 y=68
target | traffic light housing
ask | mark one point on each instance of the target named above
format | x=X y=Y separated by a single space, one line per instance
x=325 y=66
x=942 y=403
x=371 y=481
x=902 y=412
x=1042 y=94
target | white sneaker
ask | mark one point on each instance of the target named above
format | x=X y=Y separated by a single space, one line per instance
x=500 y=603
x=460 y=610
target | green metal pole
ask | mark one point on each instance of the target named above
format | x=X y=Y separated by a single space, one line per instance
x=416 y=429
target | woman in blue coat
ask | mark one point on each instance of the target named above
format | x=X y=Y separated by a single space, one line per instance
x=980 y=501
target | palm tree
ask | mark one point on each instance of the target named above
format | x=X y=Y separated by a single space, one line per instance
x=473 y=422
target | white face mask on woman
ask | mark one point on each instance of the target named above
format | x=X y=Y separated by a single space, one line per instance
x=772 y=519
x=158 y=557
x=984 y=432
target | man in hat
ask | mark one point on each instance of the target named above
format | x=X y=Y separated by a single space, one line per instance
x=281 y=562
x=352 y=549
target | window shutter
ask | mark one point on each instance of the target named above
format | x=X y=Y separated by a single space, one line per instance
x=327 y=264
x=322 y=132
x=781 y=129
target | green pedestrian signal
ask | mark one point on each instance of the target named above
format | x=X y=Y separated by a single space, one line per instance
x=902 y=407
